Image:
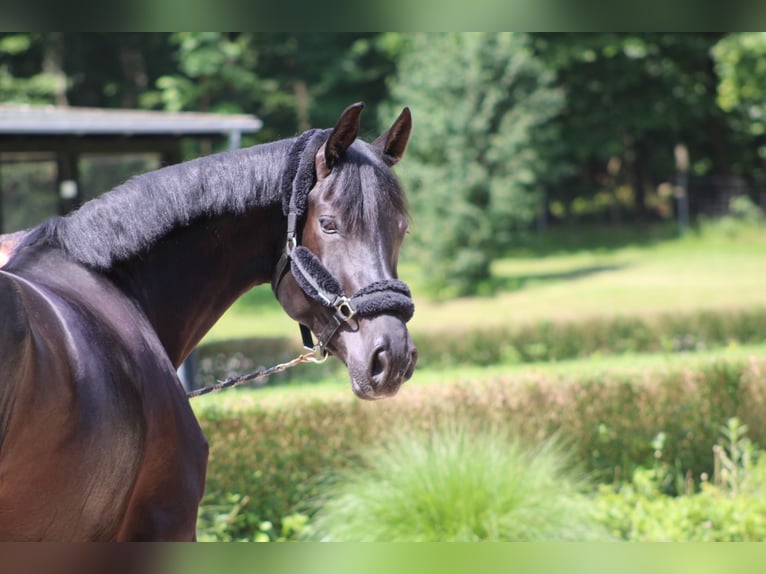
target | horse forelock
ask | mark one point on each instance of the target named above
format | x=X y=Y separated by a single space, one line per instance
x=366 y=190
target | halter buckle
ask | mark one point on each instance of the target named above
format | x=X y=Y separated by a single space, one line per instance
x=343 y=308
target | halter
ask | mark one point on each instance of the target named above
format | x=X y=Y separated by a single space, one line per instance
x=387 y=296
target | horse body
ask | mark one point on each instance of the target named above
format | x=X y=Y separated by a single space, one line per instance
x=98 y=309
x=91 y=409
x=105 y=408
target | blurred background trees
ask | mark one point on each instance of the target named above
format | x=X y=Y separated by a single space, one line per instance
x=513 y=132
x=481 y=157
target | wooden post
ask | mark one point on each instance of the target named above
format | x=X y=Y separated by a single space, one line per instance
x=2 y=213
x=171 y=153
x=68 y=180
x=682 y=184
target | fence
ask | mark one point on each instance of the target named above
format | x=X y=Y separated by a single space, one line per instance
x=710 y=196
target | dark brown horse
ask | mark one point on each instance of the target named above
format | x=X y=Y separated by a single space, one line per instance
x=99 y=308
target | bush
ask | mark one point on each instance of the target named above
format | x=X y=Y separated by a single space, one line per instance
x=743 y=208
x=543 y=341
x=273 y=457
x=728 y=508
x=549 y=341
x=454 y=484
x=707 y=516
x=743 y=217
x=263 y=462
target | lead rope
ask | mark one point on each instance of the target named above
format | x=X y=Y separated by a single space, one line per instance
x=310 y=356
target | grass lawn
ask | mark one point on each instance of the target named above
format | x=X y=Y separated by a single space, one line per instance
x=571 y=277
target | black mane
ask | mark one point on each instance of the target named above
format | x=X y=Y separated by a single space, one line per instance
x=136 y=214
x=132 y=217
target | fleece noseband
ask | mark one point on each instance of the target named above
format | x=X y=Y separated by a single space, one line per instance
x=388 y=296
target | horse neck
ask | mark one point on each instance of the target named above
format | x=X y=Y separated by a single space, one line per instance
x=185 y=281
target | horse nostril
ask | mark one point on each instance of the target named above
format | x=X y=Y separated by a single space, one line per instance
x=379 y=364
x=411 y=365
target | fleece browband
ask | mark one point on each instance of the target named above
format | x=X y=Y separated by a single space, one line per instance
x=388 y=296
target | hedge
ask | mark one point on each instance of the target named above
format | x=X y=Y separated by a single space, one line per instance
x=543 y=341
x=267 y=462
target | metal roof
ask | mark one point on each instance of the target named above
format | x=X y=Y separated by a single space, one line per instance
x=17 y=119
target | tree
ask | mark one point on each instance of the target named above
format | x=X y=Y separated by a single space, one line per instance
x=630 y=99
x=29 y=72
x=216 y=72
x=740 y=61
x=292 y=80
x=316 y=75
x=483 y=147
x=82 y=69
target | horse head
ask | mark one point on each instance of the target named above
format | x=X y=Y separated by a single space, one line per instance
x=353 y=226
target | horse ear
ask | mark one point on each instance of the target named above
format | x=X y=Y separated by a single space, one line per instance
x=392 y=143
x=343 y=135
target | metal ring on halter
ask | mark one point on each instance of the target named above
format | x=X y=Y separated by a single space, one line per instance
x=317 y=354
x=343 y=308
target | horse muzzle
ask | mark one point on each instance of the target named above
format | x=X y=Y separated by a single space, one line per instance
x=380 y=356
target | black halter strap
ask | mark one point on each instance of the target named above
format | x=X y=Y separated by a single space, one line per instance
x=387 y=296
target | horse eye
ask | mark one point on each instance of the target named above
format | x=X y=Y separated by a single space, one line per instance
x=328 y=225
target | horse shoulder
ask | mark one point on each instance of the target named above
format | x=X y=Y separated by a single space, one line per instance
x=14 y=346
x=84 y=434
x=133 y=462
x=14 y=328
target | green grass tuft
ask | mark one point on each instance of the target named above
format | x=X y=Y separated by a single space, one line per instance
x=455 y=484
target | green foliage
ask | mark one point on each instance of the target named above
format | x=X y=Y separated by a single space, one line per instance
x=228 y=520
x=743 y=217
x=454 y=484
x=734 y=456
x=323 y=73
x=741 y=65
x=708 y=516
x=217 y=73
x=294 y=81
x=263 y=462
x=18 y=212
x=537 y=342
x=267 y=461
x=744 y=209
x=479 y=153
x=556 y=341
x=20 y=82
x=630 y=98
x=741 y=72
x=731 y=508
